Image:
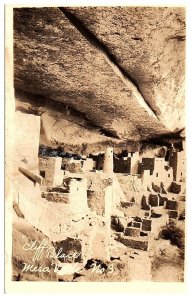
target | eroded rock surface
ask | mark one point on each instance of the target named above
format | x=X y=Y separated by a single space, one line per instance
x=121 y=68
x=148 y=43
x=23 y=260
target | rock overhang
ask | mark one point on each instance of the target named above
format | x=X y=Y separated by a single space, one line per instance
x=129 y=84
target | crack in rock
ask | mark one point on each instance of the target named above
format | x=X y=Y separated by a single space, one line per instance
x=110 y=59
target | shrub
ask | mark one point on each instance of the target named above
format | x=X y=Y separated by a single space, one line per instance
x=174 y=234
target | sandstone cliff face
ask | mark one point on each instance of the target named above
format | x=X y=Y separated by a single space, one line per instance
x=24 y=233
x=118 y=72
x=148 y=43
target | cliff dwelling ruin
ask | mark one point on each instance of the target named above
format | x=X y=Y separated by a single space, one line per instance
x=98 y=162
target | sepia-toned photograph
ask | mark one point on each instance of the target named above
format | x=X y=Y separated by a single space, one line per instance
x=95 y=156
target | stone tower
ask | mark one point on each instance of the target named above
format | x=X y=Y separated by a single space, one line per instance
x=108 y=161
x=177 y=160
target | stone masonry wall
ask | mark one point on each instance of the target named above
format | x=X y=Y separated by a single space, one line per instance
x=26 y=140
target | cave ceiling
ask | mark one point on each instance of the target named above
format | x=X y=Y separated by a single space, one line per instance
x=114 y=73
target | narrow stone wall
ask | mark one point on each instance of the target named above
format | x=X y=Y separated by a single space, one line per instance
x=50 y=170
x=26 y=140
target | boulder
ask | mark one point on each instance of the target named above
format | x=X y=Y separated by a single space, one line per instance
x=23 y=264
